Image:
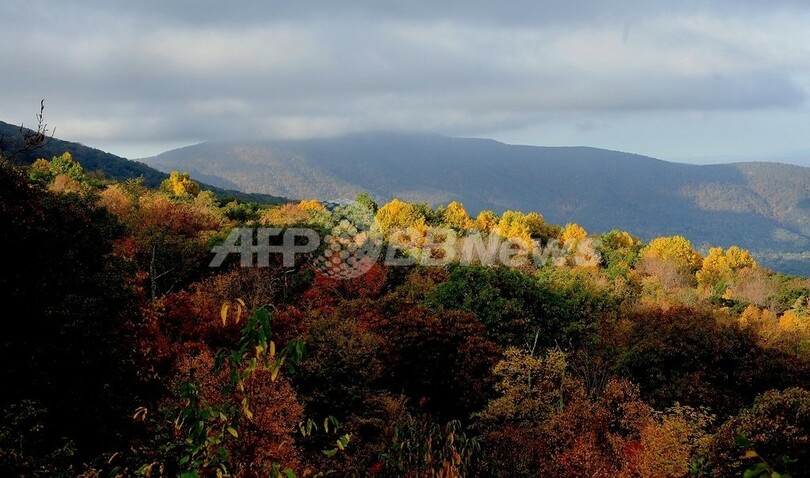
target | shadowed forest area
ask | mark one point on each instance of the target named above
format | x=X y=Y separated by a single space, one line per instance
x=129 y=356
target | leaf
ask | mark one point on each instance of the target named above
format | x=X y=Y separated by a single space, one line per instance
x=276 y=369
x=755 y=471
x=233 y=432
x=742 y=441
x=240 y=304
x=749 y=454
x=223 y=312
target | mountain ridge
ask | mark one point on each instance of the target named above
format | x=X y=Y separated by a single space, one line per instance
x=108 y=164
x=762 y=206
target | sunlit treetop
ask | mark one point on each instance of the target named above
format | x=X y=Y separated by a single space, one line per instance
x=398 y=215
x=573 y=233
x=486 y=221
x=675 y=249
x=456 y=217
x=720 y=266
x=180 y=184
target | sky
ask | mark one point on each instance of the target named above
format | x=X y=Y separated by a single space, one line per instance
x=680 y=80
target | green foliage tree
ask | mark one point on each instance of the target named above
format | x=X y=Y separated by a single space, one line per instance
x=511 y=306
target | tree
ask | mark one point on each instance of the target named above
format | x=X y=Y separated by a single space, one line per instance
x=364 y=199
x=397 y=216
x=572 y=233
x=66 y=360
x=513 y=225
x=510 y=304
x=776 y=428
x=180 y=184
x=675 y=249
x=720 y=267
x=60 y=174
x=456 y=217
x=486 y=221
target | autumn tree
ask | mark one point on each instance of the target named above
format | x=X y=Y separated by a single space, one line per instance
x=486 y=221
x=719 y=267
x=572 y=233
x=675 y=249
x=456 y=217
x=619 y=250
x=513 y=225
x=60 y=174
x=398 y=215
x=180 y=184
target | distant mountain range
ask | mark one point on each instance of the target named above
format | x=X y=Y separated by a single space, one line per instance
x=108 y=165
x=762 y=206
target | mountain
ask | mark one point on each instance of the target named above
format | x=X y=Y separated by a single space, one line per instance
x=762 y=206
x=109 y=165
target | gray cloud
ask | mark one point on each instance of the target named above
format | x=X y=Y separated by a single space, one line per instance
x=189 y=71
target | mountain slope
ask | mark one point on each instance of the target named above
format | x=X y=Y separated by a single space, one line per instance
x=761 y=206
x=112 y=166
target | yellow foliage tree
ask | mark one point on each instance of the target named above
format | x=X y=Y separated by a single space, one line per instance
x=180 y=184
x=486 y=221
x=311 y=205
x=720 y=266
x=285 y=216
x=792 y=322
x=572 y=233
x=675 y=249
x=513 y=226
x=668 y=442
x=398 y=215
x=739 y=258
x=456 y=217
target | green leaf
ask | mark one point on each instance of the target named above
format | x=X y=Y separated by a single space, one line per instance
x=755 y=471
x=233 y=432
x=742 y=441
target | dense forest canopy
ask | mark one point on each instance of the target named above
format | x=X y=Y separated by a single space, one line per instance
x=130 y=356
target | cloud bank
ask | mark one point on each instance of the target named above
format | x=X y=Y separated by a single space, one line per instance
x=148 y=73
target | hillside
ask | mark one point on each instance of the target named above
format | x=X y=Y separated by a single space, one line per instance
x=109 y=165
x=761 y=206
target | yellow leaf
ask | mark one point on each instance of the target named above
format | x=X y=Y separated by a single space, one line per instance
x=276 y=369
x=749 y=454
x=223 y=312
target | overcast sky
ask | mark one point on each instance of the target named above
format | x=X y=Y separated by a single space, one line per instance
x=677 y=80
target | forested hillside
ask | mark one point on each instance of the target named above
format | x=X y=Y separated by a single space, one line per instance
x=101 y=164
x=559 y=353
x=760 y=206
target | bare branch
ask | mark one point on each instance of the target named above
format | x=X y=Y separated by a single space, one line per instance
x=29 y=139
